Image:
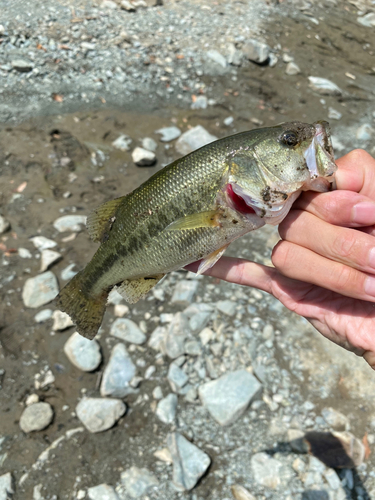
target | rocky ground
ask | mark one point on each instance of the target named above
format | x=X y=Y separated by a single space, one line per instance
x=204 y=390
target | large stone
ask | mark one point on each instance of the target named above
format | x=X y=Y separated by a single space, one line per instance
x=324 y=86
x=83 y=353
x=48 y=258
x=166 y=409
x=189 y=462
x=40 y=290
x=266 y=470
x=102 y=492
x=184 y=292
x=36 y=417
x=73 y=223
x=6 y=488
x=168 y=133
x=61 y=321
x=126 y=329
x=99 y=414
x=256 y=51
x=194 y=139
x=174 y=340
x=177 y=378
x=138 y=482
x=118 y=374
x=228 y=397
x=122 y=143
x=143 y=157
x=4 y=225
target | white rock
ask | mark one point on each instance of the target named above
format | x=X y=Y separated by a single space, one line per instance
x=166 y=409
x=228 y=121
x=114 y=297
x=189 y=462
x=368 y=20
x=4 y=225
x=227 y=398
x=149 y=143
x=61 y=321
x=324 y=86
x=193 y=139
x=174 y=340
x=32 y=399
x=22 y=65
x=118 y=374
x=36 y=417
x=83 y=353
x=256 y=51
x=333 y=114
x=266 y=470
x=157 y=393
x=184 y=292
x=122 y=143
x=102 y=492
x=68 y=273
x=126 y=329
x=40 y=290
x=177 y=378
x=206 y=335
x=48 y=258
x=138 y=481
x=292 y=69
x=168 y=133
x=43 y=316
x=120 y=310
x=227 y=307
x=164 y=455
x=241 y=493
x=24 y=253
x=335 y=419
x=99 y=414
x=73 y=223
x=108 y=4
x=143 y=157
x=126 y=5
x=6 y=489
x=365 y=132
x=157 y=338
x=218 y=58
x=42 y=243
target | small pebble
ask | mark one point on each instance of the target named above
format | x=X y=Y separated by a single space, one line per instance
x=99 y=414
x=36 y=417
x=83 y=353
x=168 y=134
x=143 y=157
x=166 y=409
x=4 y=225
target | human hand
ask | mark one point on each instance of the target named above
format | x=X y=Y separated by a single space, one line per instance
x=325 y=263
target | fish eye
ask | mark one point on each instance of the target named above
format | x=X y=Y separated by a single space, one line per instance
x=289 y=138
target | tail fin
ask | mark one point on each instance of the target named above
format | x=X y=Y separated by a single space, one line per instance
x=85 y=311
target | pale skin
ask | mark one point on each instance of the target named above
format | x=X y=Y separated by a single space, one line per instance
x=325 y=262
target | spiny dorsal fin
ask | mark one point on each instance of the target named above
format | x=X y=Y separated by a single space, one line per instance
x=100 y=220
x=133 y=290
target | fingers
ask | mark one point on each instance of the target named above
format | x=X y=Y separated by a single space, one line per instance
x=240 y=271
x=299 y=263
x=356 y=172
x=342 y=208
x=340 y=244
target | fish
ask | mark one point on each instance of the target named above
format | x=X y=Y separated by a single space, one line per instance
x=192 y=209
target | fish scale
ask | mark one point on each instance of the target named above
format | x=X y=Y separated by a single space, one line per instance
x=192 y=210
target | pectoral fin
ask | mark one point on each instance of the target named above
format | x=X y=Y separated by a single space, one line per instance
x=133 y=290
x=203 y=219
x=211 y=259
x=100 y=220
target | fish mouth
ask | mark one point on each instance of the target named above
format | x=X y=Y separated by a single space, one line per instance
x=320 y=160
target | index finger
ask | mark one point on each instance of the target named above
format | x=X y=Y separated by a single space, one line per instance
x=356 y=172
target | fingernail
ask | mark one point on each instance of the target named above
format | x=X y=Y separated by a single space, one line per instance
x=364 y=213
x=370 y=286
x=371 y=258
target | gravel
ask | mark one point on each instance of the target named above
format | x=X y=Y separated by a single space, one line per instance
x=36 y=417
x=189 y=462
x=83 y=353
x=228 y=397
x=100 y=414
x=194 y=139
x=40 y=290
x=102 y=492
x=184 y=292
x=266 y=470
x=177 y=378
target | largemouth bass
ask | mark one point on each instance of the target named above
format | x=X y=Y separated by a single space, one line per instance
x=193 y=209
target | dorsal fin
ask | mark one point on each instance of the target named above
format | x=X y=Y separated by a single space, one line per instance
x=100 y=220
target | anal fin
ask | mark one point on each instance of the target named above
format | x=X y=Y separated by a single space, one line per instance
x=133 y=290
x=211 y=260
x=100 y=220
x=202 y=219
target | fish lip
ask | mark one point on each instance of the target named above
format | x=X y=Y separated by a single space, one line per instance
x=322 y=142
